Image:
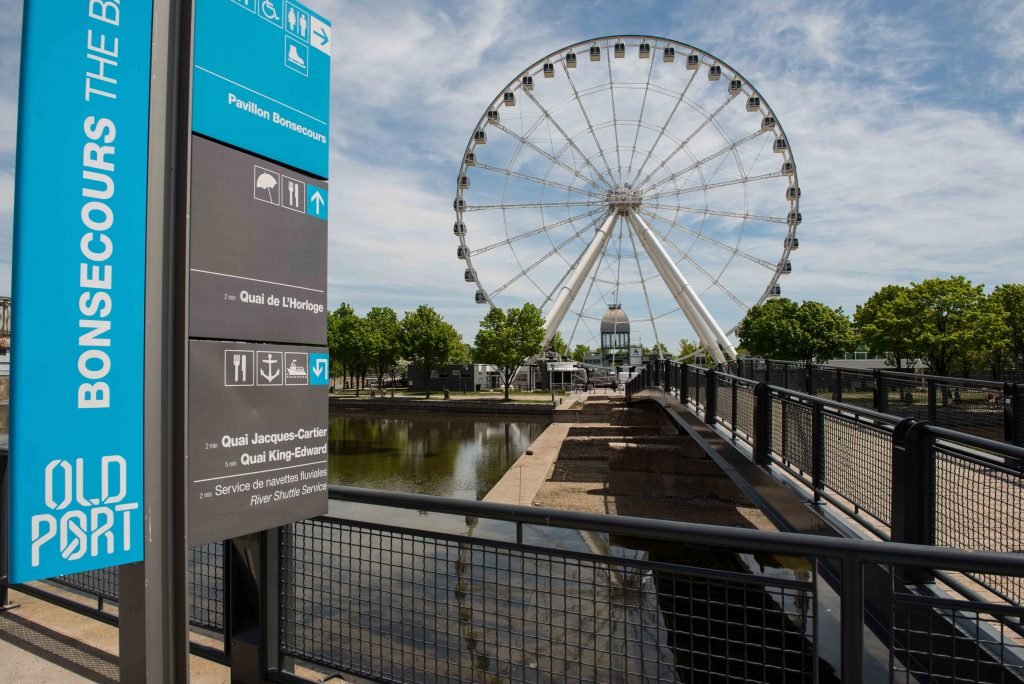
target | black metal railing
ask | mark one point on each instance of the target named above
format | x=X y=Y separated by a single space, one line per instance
x=985 y=408
x=650 y=601
x=530 y=594
x=901 y=478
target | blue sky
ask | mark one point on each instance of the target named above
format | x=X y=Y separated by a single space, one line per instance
x=906 y=121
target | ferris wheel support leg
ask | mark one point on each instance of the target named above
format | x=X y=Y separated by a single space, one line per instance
x=575 y=281
x=704 y=333
x=720 y=347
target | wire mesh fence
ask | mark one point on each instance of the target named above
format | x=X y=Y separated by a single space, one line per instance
x=205 y=582
x=407 y=605
x=979 y=504
x=949 y=641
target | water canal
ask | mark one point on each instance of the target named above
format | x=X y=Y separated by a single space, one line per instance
x=451 y=455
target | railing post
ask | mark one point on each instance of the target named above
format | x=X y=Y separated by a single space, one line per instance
x=817 y=451
x=1013 y=413
x=711 y=396
x=684 y=383
x=881 y=403
x=4 y=540
x=668 y=377
x=732 y=403
x=839 y=384
x=852 y=619
x=913 y=491
x=768 y=371
x=932 y=403
x=809 y=379
x=762 y=424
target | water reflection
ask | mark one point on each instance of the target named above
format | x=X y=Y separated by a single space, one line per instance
x=443 y=455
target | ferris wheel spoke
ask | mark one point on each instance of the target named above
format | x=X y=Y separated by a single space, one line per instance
x=643 y=286
x=708 y=239
x=686 y=141
x=546 y=155
x=586 y=117
x=664 y=127
x=615 y=119
x=701 y=162
x=711 y=186
x=716 y=212
x=640 y=117
x=535 y=231
x=531 y=205
x=566 y=136
x=550 y=253
x=536 y=179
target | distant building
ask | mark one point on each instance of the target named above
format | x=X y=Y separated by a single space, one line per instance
x=615 y=340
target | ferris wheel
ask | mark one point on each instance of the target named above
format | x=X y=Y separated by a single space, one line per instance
x=629 y=172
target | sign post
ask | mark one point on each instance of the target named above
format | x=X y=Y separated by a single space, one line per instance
x=76 y=455
x=258 y=369
x=170 y=267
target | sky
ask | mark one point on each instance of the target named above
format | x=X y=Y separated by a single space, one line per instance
x=906 y=122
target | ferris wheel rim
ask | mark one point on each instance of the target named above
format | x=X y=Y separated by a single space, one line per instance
x=707 y=58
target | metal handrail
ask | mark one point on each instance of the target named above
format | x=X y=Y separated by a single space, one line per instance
x=747 y=540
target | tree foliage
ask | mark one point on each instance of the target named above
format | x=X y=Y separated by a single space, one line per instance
x=945 y=315
x=428 y=341
x=782 y=329
x=559 y=345
x=580 y=352
x=1010 y=299
x=507 y=339
x=885 y=323
x=382 y=332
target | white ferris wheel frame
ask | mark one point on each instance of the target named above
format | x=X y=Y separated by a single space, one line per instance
x=610 y=202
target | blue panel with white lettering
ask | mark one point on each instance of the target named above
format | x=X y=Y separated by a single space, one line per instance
x=79 y=283
x=261 y=79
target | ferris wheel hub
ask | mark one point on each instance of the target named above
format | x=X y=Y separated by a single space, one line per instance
x=623 y=197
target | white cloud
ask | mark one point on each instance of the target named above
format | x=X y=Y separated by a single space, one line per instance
x=910 y=157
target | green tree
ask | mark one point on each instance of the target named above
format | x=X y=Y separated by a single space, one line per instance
x=781 y=329
x=885 y=323
x=344 y=340
x=944 y=311
x=508 y=339
x=580 y=352
x=382 y=330
x=688 y=349
x=771 y=330
x=987 y=343
x=825 y=333
x=661 y=351
x=428 y=341
x=1010 y=298
x=559 y=345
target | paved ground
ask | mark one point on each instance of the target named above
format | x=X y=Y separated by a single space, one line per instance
x=40 y=642
x=625 y=461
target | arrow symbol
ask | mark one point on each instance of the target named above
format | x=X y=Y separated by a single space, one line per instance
x=322 y=35
x=318 y=200
x=320 y=368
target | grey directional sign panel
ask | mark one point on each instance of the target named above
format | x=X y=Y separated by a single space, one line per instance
x=258 y=253
x=257 y=443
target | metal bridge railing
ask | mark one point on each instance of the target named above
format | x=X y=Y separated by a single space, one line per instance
x=666 y=601
x=546 y=595
x=902 y=479
x=984 y=408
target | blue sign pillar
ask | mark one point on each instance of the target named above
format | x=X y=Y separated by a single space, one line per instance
x=76 y=461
